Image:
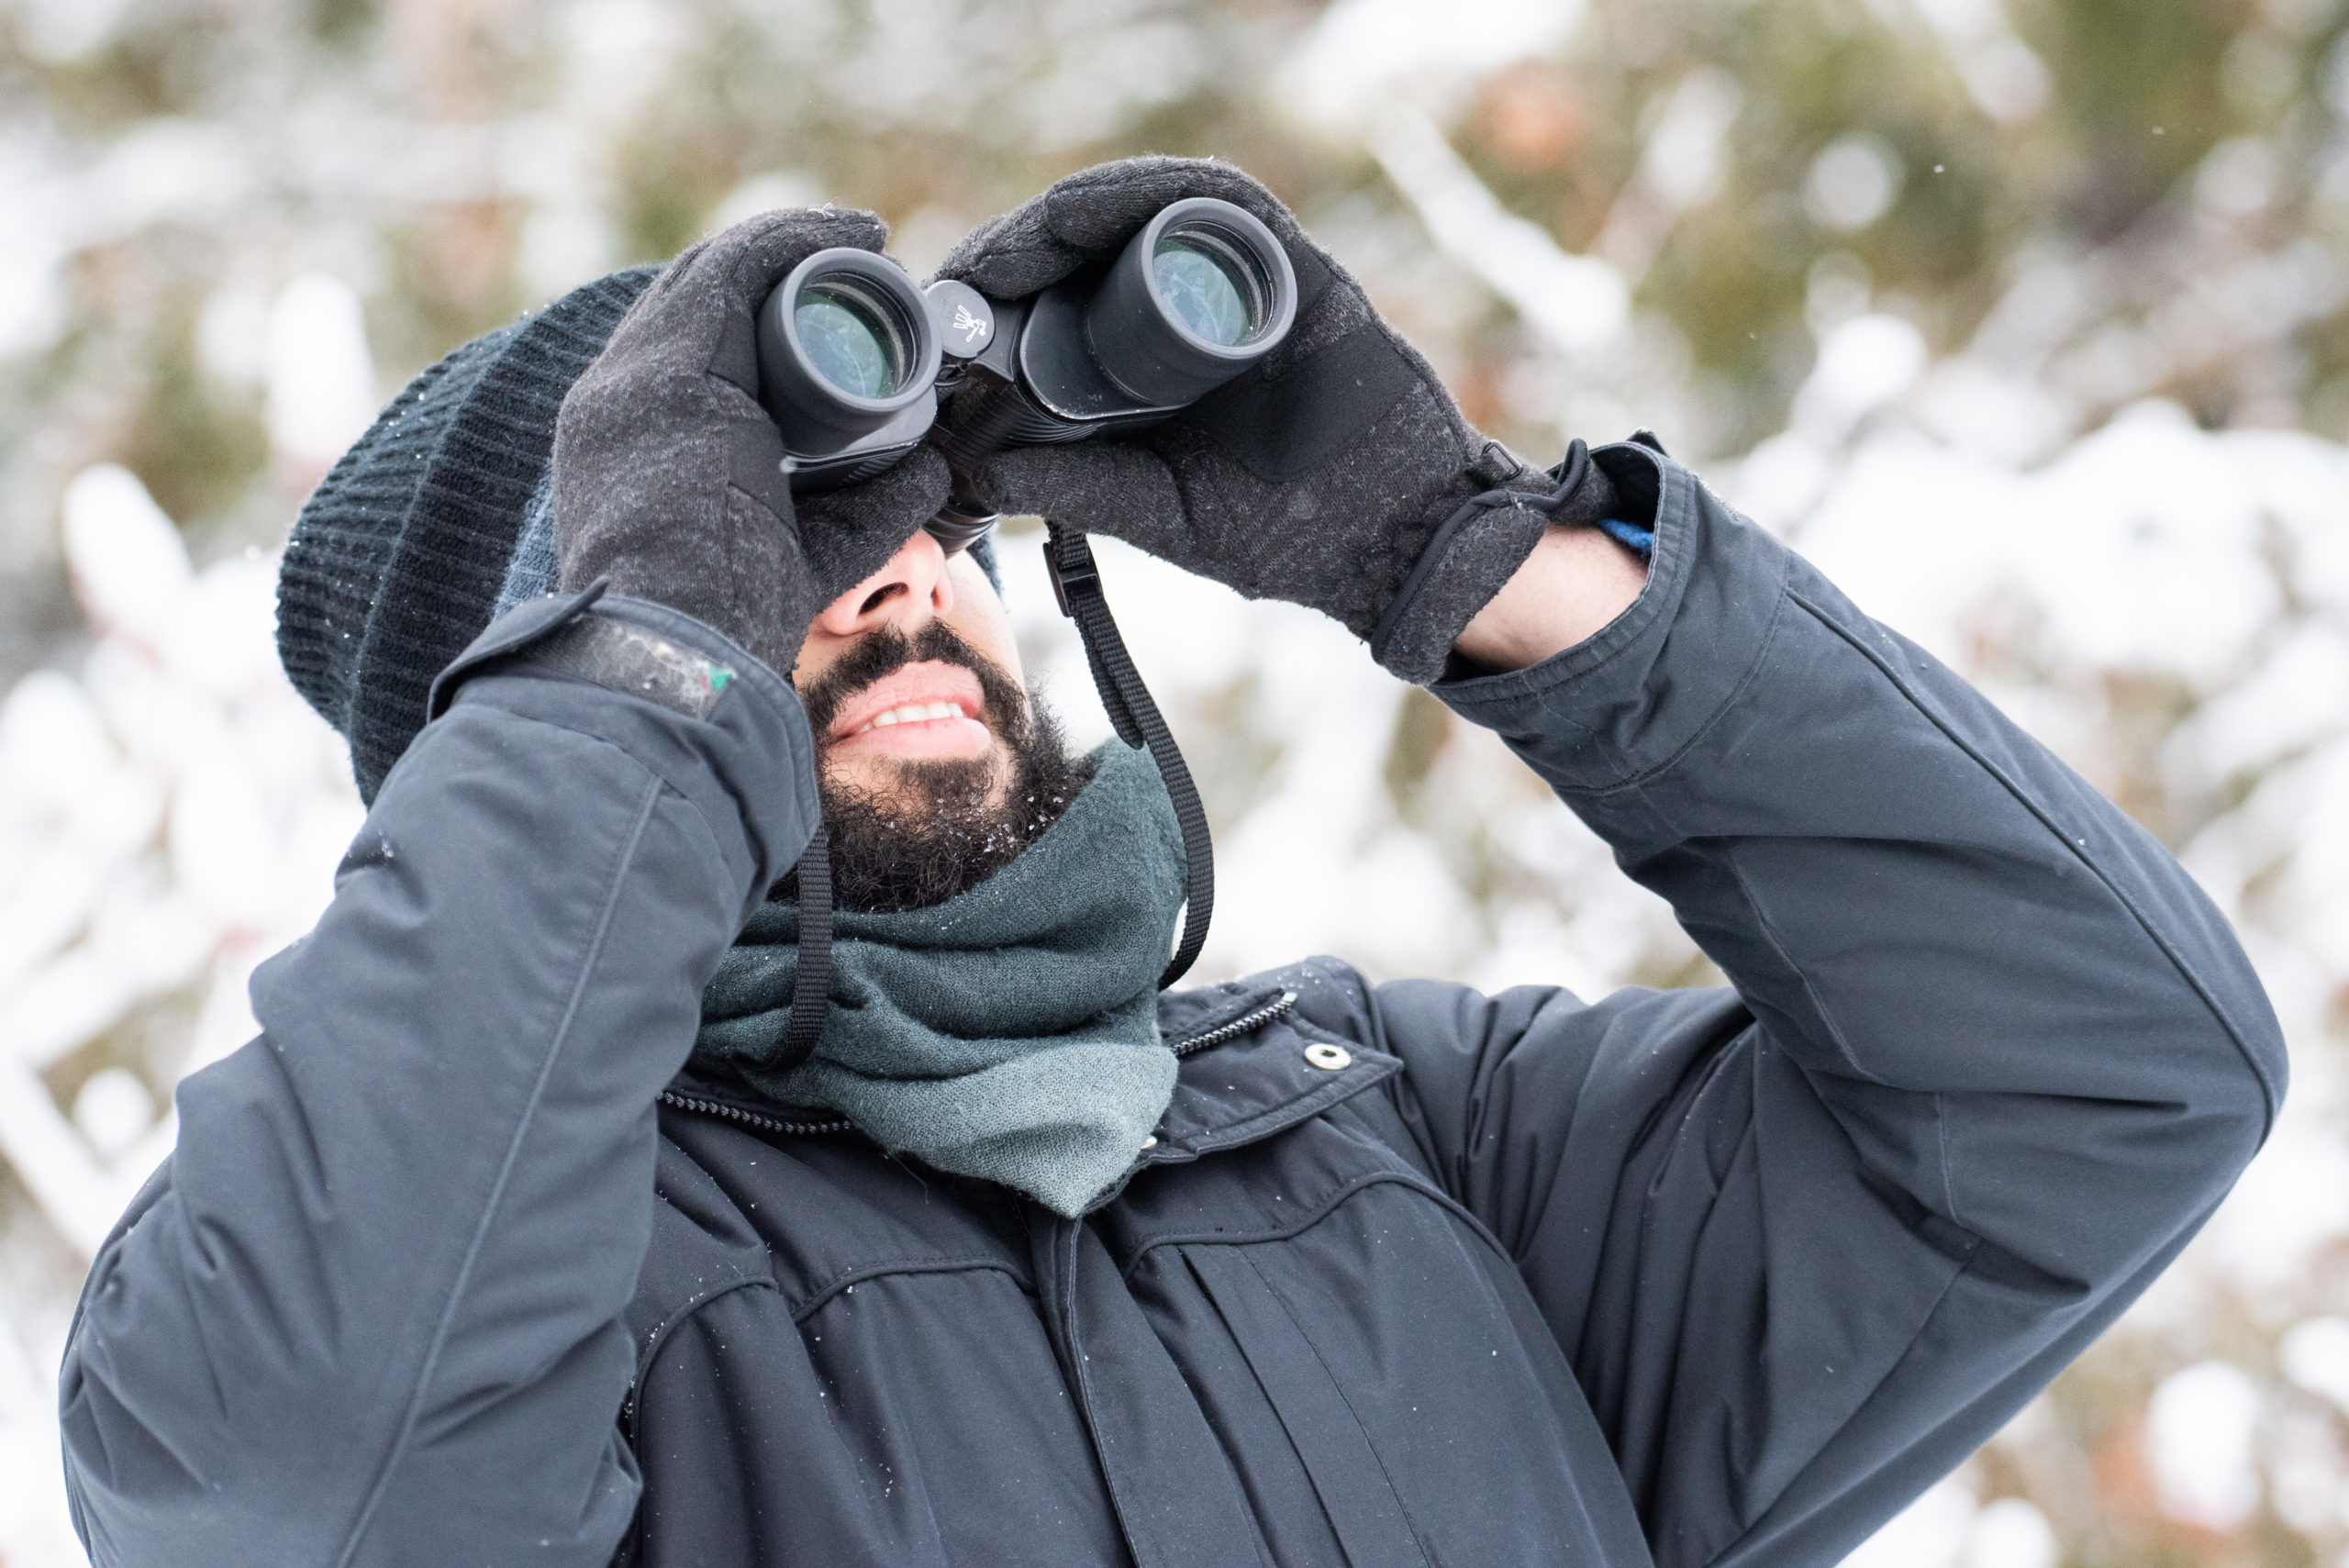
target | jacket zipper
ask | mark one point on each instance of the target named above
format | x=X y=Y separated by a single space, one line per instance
x=750 y=1118
x=1247 y=1023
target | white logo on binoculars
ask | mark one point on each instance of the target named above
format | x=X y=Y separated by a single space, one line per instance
x=973 y=327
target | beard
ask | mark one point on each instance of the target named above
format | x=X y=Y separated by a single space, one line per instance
x=946 y=824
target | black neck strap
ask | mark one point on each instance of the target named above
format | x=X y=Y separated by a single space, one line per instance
x=811 y=978
x=1076 y=584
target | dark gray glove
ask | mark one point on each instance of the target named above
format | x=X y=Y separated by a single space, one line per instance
x=668 y=474
x=1337 y=473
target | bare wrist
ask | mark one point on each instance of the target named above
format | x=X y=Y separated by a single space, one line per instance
x=1574 y=582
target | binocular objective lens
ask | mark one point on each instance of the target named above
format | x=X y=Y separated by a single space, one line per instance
x=1209 y=286
x=850 y=339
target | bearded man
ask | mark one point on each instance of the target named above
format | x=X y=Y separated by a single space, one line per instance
x=522 y=1234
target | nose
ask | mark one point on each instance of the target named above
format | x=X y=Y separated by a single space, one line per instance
x=911 y=590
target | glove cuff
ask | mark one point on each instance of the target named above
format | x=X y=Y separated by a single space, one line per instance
x=1476 y=551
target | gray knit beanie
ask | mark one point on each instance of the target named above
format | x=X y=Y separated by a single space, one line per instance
x=399 y=556
x=437 y=521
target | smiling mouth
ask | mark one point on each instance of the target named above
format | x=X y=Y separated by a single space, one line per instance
x=912 y=713
x=927 y=709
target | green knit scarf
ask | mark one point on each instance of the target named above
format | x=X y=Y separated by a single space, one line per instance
x=1009 y=1033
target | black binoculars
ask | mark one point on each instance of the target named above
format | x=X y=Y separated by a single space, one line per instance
x=857 y=365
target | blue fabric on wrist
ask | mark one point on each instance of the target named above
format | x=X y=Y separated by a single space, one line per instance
x=1631 y=536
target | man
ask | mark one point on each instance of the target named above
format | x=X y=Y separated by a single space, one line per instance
x=1026 y=1263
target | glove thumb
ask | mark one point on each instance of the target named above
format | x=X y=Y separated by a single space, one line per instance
x=1104 y=487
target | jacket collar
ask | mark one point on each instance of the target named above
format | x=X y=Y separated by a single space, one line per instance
x=1249 y=1068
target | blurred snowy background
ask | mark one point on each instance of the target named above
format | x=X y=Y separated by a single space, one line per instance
x=2028 y=319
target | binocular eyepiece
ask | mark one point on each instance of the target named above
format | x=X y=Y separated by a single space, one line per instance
x=857 y=365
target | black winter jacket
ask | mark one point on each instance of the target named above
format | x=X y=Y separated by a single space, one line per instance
x=1410 y=1275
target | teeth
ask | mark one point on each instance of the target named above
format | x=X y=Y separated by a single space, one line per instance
x=915 y=712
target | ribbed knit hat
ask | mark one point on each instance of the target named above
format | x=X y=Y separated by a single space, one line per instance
x=437 y=521
x=399 y=556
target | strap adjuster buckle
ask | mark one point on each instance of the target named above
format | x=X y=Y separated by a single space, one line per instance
x=1068 y=560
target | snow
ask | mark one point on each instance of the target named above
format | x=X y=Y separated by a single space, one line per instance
x=163 y=819
x=65 y=30
x=1928 y=1534
x=1361 y=55
x=2315 y=1355
x=112 y=1108
x=2291 y=1206
x=1853 y=181
x=2001 y=73
x=2140 y=545
x=2010 y=1533
x=1864 y=364
x=321 y=380
x=129 y=568
x=1580 y=303
x=2198 y=1434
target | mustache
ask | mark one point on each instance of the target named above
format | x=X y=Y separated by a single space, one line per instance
x=885 y=651
x=940 y=831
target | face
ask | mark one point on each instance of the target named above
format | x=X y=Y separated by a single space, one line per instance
x=936 y=767
x=880 y=714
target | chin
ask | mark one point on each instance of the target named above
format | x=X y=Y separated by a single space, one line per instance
x=919 y=784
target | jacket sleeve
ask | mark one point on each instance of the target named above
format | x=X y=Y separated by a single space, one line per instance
x=369 y=1310
x=1990 y=1058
